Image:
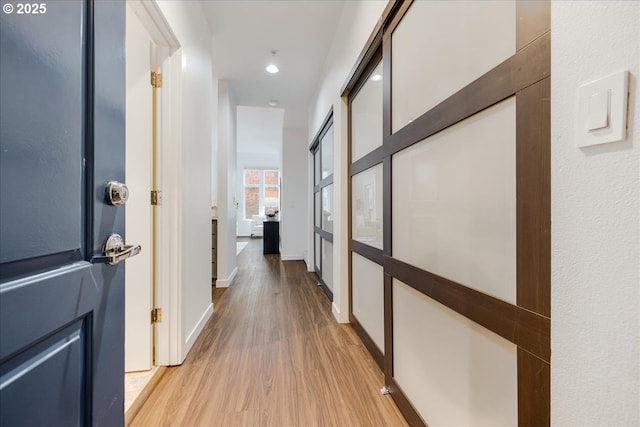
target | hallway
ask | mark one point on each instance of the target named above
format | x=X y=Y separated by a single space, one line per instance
x=272 y=355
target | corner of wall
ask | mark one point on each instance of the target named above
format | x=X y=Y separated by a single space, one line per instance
x=225 y=283
x=195 y=332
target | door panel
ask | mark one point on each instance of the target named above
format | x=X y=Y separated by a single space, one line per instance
x=61 y=317
x=454 y=211
x=366 y=116
x=454 y=371
x=57 y=363
x=479 y=35
x=46 y=72
x=366 y=206
x=368 y=297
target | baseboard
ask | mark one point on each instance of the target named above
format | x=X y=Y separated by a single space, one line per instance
x=195 y=333
x=227 y=282
x=143 y=396
x=291 y=257
x=335 y=311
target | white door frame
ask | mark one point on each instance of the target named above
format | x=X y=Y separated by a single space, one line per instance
x=167 y=233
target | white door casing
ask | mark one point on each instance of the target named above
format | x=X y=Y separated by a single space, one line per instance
x=167 y=236
x=140 y=50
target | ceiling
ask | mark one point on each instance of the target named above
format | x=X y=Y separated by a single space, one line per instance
x=244 y=34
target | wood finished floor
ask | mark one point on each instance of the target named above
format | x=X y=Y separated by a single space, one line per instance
x=272 y=355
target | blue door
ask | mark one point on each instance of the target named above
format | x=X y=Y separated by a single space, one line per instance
x=61 y=140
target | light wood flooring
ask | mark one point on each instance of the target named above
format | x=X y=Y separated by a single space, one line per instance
x=272 y=355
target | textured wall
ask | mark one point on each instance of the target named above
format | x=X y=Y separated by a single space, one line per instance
x=595 y=375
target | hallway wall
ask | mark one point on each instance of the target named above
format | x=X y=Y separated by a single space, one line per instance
x=595 y=301
x=295 y=192
x=227 y=197
x=357 y=21
x=187 y=21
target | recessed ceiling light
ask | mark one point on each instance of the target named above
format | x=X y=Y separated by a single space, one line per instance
x=273 y=103
x=376 y=78
x=272 y=68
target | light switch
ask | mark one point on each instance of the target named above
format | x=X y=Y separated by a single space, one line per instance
x=602 y=110
x=598 y=111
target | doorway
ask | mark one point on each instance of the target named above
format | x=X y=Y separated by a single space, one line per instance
x=140 y=60
x=152 y=58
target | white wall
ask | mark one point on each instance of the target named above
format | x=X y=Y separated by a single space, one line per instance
x=356 y=24
x=186 y=20
x=251 y=161
x=227 y=199
x=295 y=191
x=214 y=153
x=595 y=331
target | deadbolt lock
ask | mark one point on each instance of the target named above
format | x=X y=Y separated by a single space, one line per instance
x=117 y=193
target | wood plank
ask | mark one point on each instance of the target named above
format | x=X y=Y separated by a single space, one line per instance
x=523 y=69
x=272 y=354
x=526 y=329
x=533 y=195
x=533 y=20
x=369 y=252
x=386 y=84
x=534 y=385
x=388 y=329
x=534 y=334
x=494 y=314
x=387 y=208
x=375 y=59
x=323 y=183
x=397 y=17
x=367 y=161
x=326 y=235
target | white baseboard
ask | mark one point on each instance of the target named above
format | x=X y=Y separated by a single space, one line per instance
x=335 y=311
x=195 y=333
x=225 y=283
x=291 y=257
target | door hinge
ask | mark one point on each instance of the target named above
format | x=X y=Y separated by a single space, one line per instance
x=156 y=197
x=156 y=79
x=156 y=315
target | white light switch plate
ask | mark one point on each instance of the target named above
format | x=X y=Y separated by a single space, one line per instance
x=602 y=110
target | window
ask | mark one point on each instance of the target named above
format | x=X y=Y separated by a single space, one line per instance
x=261 y=191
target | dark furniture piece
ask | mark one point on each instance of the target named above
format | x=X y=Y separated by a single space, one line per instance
x=271 y=237
x=214 y=250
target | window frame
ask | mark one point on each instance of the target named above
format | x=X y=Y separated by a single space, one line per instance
x=261 y=186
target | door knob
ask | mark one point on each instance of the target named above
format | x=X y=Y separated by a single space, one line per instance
x=115 y=251
x=117 y=193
